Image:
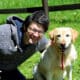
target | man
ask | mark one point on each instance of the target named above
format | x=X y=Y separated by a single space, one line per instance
x=20 y=39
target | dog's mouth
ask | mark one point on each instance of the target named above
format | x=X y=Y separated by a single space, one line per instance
x=62 y=47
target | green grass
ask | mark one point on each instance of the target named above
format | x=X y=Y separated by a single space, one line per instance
x=57 y=19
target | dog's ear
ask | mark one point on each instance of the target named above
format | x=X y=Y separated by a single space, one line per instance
x=52 y=35
x=74 y=34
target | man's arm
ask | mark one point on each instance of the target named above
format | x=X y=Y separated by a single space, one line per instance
x=42 y=43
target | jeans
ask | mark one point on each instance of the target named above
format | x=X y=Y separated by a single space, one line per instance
x=11 y=75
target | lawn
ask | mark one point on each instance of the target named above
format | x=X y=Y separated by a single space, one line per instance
x=58 y=19
x=69 y=18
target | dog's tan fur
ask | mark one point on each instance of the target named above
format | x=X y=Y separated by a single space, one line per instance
x=50 y=65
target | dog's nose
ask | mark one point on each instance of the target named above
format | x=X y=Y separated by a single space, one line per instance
x=62 y=46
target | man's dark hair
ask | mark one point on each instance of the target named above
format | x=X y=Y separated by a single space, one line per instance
x=38 y=17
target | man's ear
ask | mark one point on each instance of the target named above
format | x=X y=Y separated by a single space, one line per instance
x=74 y=34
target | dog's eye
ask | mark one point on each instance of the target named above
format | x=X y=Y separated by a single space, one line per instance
x=67 y=35
x=58 y=35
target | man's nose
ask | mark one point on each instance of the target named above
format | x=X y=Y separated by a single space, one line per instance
x=36 y=34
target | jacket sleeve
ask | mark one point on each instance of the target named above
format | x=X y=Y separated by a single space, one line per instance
x=42 y=43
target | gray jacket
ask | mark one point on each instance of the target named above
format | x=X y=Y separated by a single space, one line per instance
x=10 y=56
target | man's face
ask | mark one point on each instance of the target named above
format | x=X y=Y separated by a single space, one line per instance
x=34 y=32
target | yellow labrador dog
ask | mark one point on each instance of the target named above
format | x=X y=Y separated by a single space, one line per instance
x=56 y=59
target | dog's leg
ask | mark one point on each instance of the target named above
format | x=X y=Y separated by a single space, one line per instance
x=36 y=74
x=38 y=77
x=69 y=73
x=49 y=76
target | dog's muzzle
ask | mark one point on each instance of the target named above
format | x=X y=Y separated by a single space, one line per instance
x=62 y=47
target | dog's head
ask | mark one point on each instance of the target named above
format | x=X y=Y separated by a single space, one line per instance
x=63 y=36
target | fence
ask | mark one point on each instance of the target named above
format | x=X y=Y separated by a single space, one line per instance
x=44 y=7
